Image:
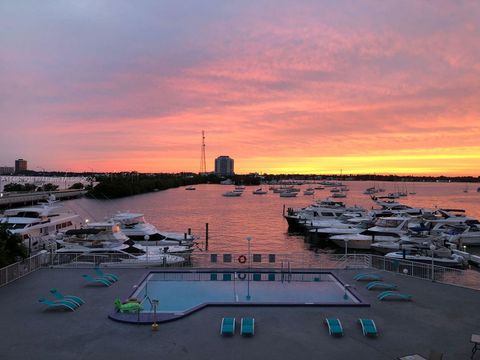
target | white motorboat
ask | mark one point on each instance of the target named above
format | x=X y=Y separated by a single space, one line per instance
x=190 y=188
x=288 y=194
x=259 y=191
x=136 y=228
x=117 y=256
x=385 y=229
x=467 y=235
x=38 y=225
x=309 y=192
x=441 y=257
x=339 y=195
x=232 y=193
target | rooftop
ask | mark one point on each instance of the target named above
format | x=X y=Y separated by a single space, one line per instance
x=440 y=317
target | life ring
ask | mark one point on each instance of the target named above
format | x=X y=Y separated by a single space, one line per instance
x=242 y=259
x=242 y=276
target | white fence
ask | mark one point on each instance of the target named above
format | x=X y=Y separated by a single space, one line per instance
x=19 y=269
x=283 y=262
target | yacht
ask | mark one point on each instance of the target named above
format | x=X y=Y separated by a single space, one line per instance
x=134 y=226
x=116 y=256
x=385 y=229
x=259 y=191
x=232 y=194
x=463 y=235
x=190 y=188
x=441 y=257
x=288 y=193
x=38 y=225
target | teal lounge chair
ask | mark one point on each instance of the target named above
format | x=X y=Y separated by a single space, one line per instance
x=374 y=285
x=368 y=327
x=393 y=295
x=334 y=326
x=247 y=326
x=367 y=277
x=110 y=277
x=72 y=298
x=93 y=280
x=57 y=304
x=228 y=326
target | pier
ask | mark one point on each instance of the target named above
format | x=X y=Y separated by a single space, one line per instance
x=10 y=199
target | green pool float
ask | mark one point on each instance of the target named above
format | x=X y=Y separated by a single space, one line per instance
x=129 y=307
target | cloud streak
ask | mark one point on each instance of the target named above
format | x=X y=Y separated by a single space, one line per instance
x=279 y=86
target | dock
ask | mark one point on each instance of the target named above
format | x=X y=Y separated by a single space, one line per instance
x=8 y=200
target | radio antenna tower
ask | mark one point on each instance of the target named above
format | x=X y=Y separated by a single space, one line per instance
x=203 y=163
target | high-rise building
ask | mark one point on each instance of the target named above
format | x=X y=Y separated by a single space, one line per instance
x=224 y=166
x=20 y=165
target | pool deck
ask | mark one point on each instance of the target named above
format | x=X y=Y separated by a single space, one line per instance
x=441 y=317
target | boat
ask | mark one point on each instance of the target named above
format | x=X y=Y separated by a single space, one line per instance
x=463 y=235
x=309 y=192
x=116 y=256
x=232 y=193
x=38 y=225
x=288 y=193
x=259 y=191
x=339 y=195
x=190 y=188
x=441 y=257
x=385 y=229
x=134 y=226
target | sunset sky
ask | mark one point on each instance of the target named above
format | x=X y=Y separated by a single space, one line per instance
x=385 y=87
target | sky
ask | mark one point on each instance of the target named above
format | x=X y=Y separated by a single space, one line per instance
x=324 y=87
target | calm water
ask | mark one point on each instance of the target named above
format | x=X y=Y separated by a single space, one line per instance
x=231 y=220
x=179 y=292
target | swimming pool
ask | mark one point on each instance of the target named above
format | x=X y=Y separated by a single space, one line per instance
x=178 y=294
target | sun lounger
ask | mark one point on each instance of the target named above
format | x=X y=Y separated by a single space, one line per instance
x=393 y=295
x=228 y=326
x=93 y=280
x=110 y=277
x=367 y=277
x=72 y=298
x=334 y=326
x=368 y=327
x=374 y=285
x=57 y=304
x=247 y=326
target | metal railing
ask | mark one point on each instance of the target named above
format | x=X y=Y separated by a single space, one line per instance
x=286 y=263
x=19 y=269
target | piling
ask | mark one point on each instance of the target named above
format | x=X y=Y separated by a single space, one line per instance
x=189 y=231
x=206 y=236
x=283 y=212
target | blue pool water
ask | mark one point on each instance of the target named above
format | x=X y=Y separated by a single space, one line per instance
x=182 y=292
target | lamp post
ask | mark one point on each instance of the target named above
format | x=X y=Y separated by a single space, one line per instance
x=147 y=237
x=249 y=238
x=249 y=261
x=432 y=247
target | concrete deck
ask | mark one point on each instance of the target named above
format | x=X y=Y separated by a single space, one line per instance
x=441 y=317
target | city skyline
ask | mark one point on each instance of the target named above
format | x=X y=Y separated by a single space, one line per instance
x=281 y=86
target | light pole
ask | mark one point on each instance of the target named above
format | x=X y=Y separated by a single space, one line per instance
x=432 y=248
x=249 y=260
x=249 y=238
x=147 y=237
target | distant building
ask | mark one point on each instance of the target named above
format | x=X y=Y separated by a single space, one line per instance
x=6 y=170
x=224 y=166
x=20 y=165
